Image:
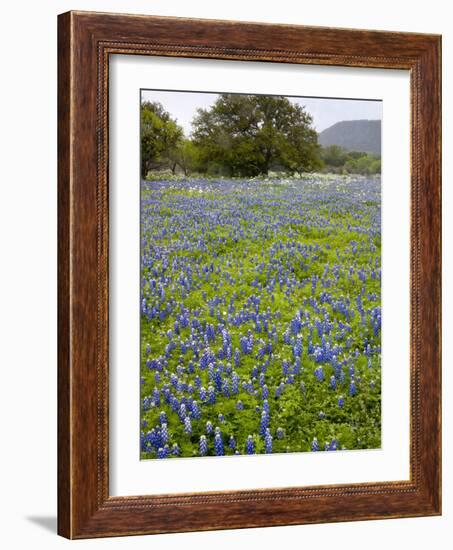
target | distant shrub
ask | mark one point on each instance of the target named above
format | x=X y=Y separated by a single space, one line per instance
x=339 y=161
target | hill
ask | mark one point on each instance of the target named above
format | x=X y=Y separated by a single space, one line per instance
x=354 y=135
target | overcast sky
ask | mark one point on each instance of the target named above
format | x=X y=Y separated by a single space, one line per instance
x=325 y=111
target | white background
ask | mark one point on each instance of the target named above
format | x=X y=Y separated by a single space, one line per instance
x=28 y=271
x=130 y=476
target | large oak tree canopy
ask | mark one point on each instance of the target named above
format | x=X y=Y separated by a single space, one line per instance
x=240 y=135
x=247 y=135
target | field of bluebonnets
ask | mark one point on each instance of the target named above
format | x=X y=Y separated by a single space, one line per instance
x=260 y=315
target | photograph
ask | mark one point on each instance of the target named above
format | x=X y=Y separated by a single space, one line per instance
x=260 y=274
x=225 y=309
x=249 y=272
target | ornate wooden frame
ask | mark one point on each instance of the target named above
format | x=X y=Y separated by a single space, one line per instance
x=85 y=41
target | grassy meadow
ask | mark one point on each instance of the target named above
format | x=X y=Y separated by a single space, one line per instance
x=260 y=315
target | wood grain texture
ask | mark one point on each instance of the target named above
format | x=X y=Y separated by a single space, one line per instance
x=64 y=366
x=85 y=42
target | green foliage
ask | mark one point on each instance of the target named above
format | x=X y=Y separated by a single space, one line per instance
x=160 y=137
x=187 y=157
x=242 y=136
x=248 y=135
x=254 y=231
x=337 y=159
x=334 y=156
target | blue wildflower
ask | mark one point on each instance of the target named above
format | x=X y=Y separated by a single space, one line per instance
x=203 y=447
x=250 y=446
x=218 y=444
x=268 y=441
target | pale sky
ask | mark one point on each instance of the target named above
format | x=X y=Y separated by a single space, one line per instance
x=325 y=111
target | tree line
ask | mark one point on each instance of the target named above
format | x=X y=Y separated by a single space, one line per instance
x=238 y=136
x=340 y=161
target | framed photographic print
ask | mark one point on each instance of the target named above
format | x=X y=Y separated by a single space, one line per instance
x=249 y=275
